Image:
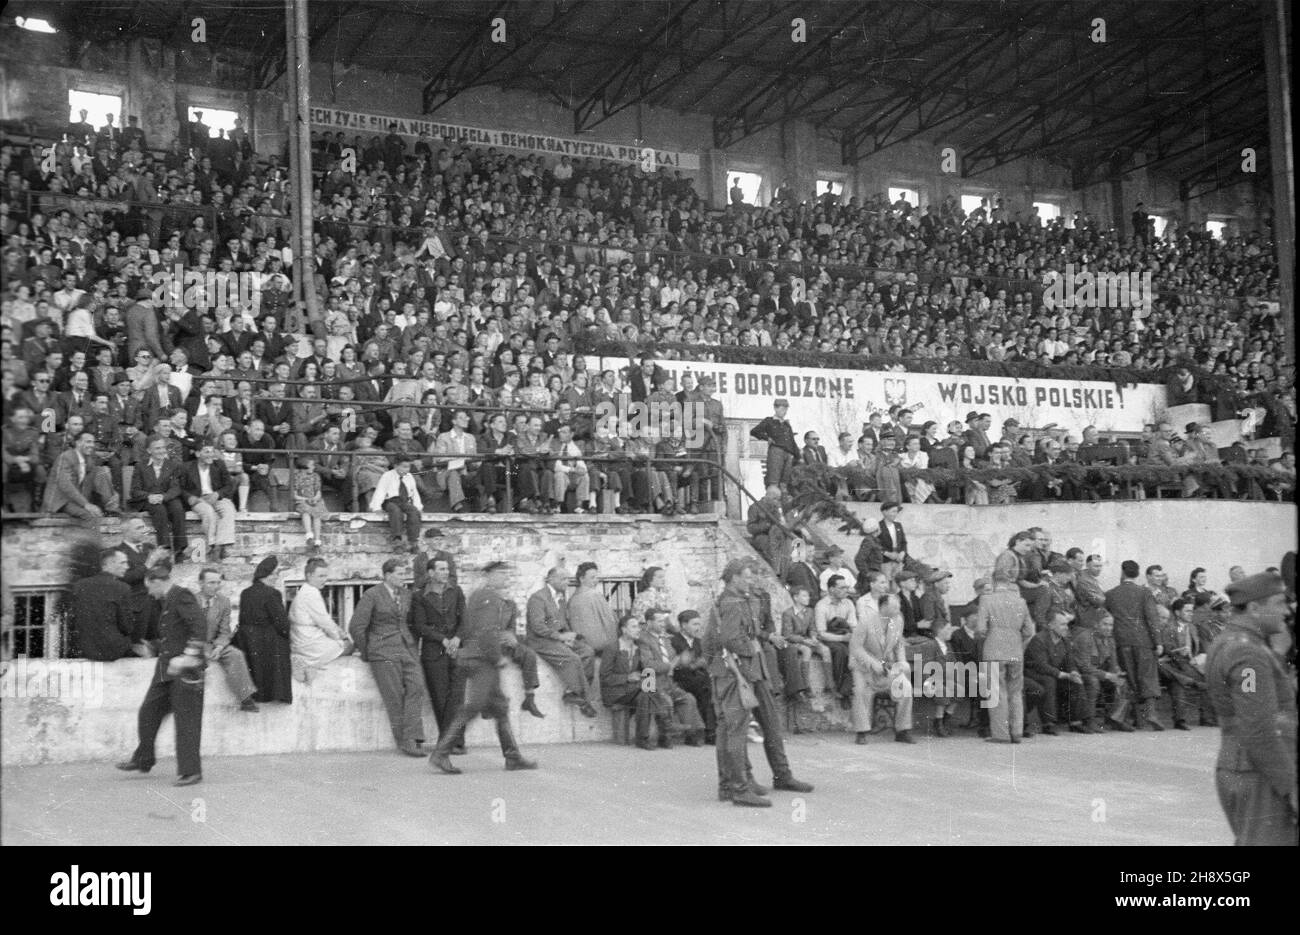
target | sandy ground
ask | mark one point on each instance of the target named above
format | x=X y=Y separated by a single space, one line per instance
x=1114 y=789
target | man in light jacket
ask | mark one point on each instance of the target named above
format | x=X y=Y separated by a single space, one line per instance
x=1004 y=623
x=878 y=660
x=590 y=615
x=315 y=640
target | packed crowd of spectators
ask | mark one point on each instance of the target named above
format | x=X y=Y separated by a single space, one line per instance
x=466 y=278
x=1065 y=651
x=889 y=460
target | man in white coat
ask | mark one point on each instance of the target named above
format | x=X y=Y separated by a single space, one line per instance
x=878 y=659
x=315 y=640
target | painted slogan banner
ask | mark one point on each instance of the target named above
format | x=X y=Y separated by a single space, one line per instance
x=353 y=122
x=834 y=401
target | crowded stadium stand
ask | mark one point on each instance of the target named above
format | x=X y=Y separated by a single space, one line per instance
x=617 y=290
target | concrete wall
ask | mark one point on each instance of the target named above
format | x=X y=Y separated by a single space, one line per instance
x=69 y=710
x=1180 y=535
x=66 y=710
x=690 y=549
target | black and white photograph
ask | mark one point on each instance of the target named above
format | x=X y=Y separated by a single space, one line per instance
x=650 y=422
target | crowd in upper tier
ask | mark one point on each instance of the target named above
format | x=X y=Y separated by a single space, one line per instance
x=471 y=274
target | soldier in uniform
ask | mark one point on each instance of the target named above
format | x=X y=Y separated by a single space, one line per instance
x=1255 y=704
x=177 y=685
x=487 y=613
x=731 y=645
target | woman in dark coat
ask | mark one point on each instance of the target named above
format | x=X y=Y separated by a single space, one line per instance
x=263 y=635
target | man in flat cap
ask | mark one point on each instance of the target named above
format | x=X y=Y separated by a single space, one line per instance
x=1255 y=704
x=711 y=423
x=488 y=612
x=934 y=602
x=738 y=667
x=782 y=450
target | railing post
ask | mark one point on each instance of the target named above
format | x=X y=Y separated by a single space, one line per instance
x=510 y=497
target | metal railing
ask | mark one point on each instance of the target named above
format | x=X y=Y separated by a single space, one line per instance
x=433 y=462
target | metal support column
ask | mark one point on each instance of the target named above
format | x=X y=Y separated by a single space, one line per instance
x=1277 y=29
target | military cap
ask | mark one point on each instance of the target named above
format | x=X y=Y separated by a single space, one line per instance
x=972 y=416
x=778 y=403
x=937 y=575
x=495 y=566
x=735 y=567
x=906 y=576
x=890 y=505
x=1060 y=566
x=1255 y=588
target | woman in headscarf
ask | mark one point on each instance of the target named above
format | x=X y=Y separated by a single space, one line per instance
x=263 y=635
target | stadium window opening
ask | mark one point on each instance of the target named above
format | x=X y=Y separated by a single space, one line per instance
x=910 y=195
x=1048 y=211
x=215 y=119
x=96 y=106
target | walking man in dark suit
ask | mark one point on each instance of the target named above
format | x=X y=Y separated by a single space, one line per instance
x=379 y=631
x=488 y=612
x=1137 y=640
x=177 y=685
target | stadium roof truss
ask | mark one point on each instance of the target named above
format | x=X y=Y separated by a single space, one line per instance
x=1178 y=84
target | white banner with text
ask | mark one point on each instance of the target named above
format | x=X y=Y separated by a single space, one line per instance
x=353 y=122
x=834 y=401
